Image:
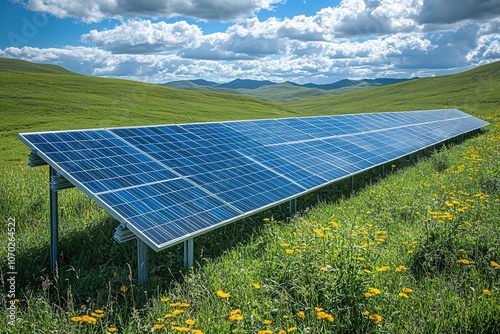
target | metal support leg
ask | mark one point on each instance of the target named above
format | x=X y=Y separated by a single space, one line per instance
x=352 y=183
x=142 y=262
x=188 y=253
x=54 y=225
x=293 y=206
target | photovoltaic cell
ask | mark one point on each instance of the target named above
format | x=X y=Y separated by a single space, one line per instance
x=169 y=183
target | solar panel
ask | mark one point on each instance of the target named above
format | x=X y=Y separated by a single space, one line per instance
x=168 y=183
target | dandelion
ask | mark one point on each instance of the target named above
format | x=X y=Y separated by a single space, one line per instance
x=123 y=288
x=334 y=224
x=235 y=315
x=164 y=299
x=97 y=315
x=375 y=291
x=179 y=305
x=318 y=309
x=375 y=317
x=112 y=329
x=487 y=292
x=76 y=319
x=319 y=232
x=383 y=268
x=291 y=329
x=256 y=285
x=267 y=322
x=265 y=220
x=190 y=322
x=367 y=271
x=196 y=331
x=89 y=319
x=222 y=294
x=324 y=316
x=494 y=264
x=265 y=331
x=407 y=290
x=289 y=251
x=401 y=268
x=464 y=261
x=177 y=312
x=403 y=295
x=301 y=315
x=181 y=328
x=366 y=313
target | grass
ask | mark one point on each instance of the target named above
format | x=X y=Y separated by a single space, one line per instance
x=413 y=250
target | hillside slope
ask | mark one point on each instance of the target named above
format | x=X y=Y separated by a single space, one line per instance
x=36 y=97
x=476 y=90
x=17 y=65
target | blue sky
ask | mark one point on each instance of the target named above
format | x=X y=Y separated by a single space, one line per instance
x=220 y=40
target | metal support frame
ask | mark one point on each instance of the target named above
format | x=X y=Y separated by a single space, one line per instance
x=293 y=207
x=142 y=262
x=54 y=224
x=189 y=253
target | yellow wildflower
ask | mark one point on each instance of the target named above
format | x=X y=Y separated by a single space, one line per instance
x=291 y=329
x=164 y=299
x=267 y=322
x=289 y=251
x=401 y=268
x=97 y=315
x=235 y=315
x=494 y=264
x=407 y=290
x=223 y=294
x=383 y=268
x=190 y=322
x=326 y=316
x=266 y=220
x=158 y=326
x=196 y=331
x=124 y=288
x=177 y=312
x=403 y=295
x=375 y=291
x=265 y=331
x=76 y=319
x=301 y=314
x=465 y=261
x=376 y=318
x=256 y=285
x=89 y=319
x=112 y=329
x=487 y=292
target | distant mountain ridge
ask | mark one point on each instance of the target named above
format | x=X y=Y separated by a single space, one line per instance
x=283 y=91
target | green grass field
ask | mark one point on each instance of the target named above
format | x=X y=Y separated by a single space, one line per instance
x=414 y=249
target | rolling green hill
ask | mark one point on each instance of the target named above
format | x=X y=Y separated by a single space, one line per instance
x=17 y=65
x=474 y=91
x=285 y=91
x=37 y=97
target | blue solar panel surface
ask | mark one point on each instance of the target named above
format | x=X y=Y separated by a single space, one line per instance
x=169 y=183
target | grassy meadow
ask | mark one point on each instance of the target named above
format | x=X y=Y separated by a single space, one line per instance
x=413 y=249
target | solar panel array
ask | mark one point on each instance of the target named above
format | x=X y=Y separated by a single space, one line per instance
x=169 y=183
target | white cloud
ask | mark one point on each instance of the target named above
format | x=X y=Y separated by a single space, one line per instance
x=146 y=37
x=450 y=11
x=358 y=39
x=97 y=10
